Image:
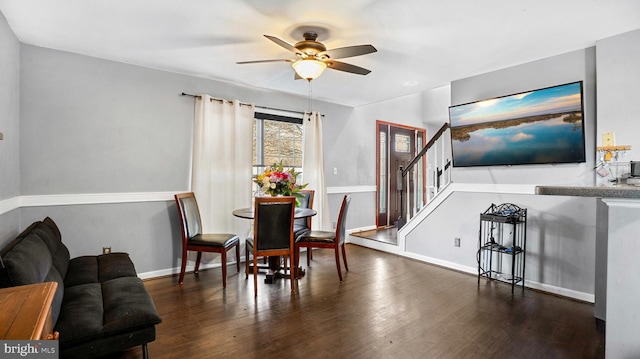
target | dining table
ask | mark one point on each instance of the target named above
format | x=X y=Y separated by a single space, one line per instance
x=248 y=213
x=275 y=268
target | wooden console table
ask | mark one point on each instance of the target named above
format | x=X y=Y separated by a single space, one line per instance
x=26 y=312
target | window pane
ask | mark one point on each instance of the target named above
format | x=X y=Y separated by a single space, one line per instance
x=282 y=141
x=255 y=152
x=403 y=143
x=382 y=200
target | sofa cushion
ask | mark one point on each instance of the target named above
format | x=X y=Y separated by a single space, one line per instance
x=81 y=314
x=29 y=261
x=98 y=269
x=94 y=310
x=115 y=265
x=59 y=252
x=82 y=270
x=127 y=305
x=5 y=276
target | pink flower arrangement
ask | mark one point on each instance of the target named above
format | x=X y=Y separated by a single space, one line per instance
x=276 y=181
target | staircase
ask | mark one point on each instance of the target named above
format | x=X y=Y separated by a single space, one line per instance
x=426 y=176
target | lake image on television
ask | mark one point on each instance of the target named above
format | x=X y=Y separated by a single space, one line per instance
x=542 y=126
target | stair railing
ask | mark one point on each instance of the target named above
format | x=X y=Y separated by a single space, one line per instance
x=425 y=176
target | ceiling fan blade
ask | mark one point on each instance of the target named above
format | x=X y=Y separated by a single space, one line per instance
x=284 y=44
x=263 y=61
x=349 y=51
x=342 y=66
x=296 y=76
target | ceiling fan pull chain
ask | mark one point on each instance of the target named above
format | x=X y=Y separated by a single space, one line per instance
x=310 y=92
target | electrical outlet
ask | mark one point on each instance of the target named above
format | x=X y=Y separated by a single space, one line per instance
x=456 y=242
x=106 y=250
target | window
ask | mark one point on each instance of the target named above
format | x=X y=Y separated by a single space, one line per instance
x=403 y=143
x=276 y=138
x=382 y=193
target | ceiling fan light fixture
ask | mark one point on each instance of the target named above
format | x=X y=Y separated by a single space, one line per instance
x=309 y=69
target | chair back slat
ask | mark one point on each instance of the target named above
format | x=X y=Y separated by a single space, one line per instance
x=305 y=202
x=190 y=215
x=342 y=219
x=274 y=223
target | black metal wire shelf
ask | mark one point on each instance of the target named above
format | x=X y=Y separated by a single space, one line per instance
x=502 y=244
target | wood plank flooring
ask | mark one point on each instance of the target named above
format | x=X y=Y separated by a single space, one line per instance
x=387 y=307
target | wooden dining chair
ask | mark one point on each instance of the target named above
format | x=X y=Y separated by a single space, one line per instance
x=327 y=239
x=194 y=240
x=302 y=225
x=272 y=233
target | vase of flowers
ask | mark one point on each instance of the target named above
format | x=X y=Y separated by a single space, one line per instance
x=276 y=181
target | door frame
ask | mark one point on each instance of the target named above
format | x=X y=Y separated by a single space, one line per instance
x=419 y=130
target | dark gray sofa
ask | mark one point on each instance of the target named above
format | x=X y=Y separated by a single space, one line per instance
x=100 y=306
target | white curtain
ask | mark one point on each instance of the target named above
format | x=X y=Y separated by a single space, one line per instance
x=221 y=165
x=313 y=170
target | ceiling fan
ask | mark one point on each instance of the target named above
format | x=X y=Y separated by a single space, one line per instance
x=313 y=57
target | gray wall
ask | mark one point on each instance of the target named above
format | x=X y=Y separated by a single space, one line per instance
x=96 y=127
x=560 y=238
x=91 y=126
x=9 y=126
x=148 y=231
x=618 y=90
x=618 y=61
x=560 y=230
x=350 y=147
x=570 y=67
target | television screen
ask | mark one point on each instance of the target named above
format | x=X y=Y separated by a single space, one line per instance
x=534 y=127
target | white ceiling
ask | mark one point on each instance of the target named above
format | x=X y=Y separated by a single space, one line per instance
x=422 y=44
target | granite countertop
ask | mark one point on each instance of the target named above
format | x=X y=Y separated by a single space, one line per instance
x=616 y=191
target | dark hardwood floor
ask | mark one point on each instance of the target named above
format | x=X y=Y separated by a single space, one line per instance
x=387 y=307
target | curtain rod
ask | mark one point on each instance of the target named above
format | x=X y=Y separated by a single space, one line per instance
x=256 y=106
x=214 y=99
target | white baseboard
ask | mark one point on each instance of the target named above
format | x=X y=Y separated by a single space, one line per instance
x=191 y=266
x=176 y=270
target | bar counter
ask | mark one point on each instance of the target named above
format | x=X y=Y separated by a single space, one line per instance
x=617 y=262
x=617 y=191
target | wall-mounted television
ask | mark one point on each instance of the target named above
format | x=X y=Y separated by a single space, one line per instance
x=543 y=126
